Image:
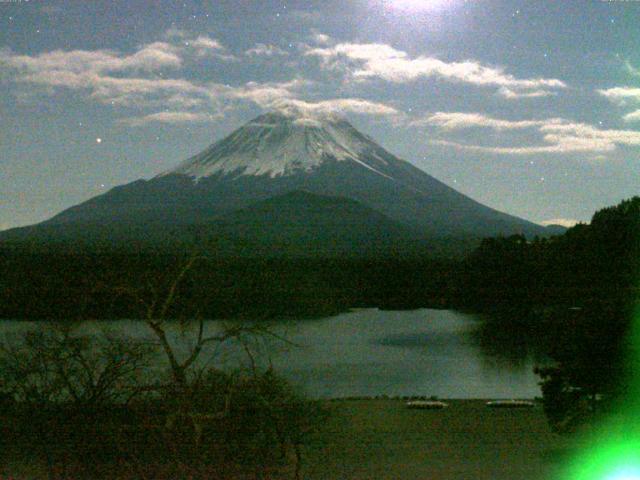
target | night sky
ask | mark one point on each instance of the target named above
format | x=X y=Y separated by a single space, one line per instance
x=532 y=108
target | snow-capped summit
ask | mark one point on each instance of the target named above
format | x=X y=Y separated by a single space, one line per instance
x=281 y=144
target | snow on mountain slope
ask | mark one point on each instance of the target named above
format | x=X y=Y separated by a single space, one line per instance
x=278 y=144
x=278 y=153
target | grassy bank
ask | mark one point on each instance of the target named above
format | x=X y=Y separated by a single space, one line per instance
x=382 y=439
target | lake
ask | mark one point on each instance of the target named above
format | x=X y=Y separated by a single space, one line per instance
x=369 y=352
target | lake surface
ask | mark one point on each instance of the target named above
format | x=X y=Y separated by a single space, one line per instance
x=367 y=353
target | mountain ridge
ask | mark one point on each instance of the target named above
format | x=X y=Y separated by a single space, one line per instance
x=275 y=154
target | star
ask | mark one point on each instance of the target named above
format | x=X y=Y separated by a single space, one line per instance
x=98 y=140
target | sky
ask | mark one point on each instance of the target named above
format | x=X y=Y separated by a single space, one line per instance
x=530 y=107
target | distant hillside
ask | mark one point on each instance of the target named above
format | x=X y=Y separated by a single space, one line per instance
x=304 y=223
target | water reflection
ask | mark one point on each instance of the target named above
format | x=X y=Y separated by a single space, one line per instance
x=512 y=344
x=372 y=352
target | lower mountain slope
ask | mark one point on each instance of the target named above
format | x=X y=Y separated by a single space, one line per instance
x=302 y=223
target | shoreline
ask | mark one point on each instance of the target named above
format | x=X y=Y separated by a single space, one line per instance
x=405 y=398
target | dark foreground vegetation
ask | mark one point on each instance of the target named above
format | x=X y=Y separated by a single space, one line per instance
x=573 y=298
x=49 y=284
x=589 y=263
x=569 y=297
x=76 y=406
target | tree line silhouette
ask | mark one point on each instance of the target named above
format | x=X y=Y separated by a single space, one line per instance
x=570 y=296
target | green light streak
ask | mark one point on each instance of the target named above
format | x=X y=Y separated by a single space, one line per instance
x=613 y=449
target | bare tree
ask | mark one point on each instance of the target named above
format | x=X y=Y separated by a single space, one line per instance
x=55 y=364
x=54 y=378
x=157 y=300
x=204 y=401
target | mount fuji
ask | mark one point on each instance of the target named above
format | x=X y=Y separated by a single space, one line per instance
x=286 y=178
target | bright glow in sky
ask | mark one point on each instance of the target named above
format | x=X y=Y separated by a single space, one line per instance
x=625 y=473
x=418 y=5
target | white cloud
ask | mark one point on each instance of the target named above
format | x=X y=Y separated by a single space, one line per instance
x=374 y=60
x=152 y=57
x=460 y=120
x=621 y=95
x=116 y=78
x=632 y=70
x=337 y=105
x=632 y=116
x=624 y=96
x=284 y=96
x=560 y=136
x=140 y=79
x=558 y=145
x=122 y=90
x=564 y=222
x=583 y=130
x=515 y=94
x=321 y=38
x=170 y=118
x=206 y=43
x=265 y=94
x=263 y=50
x=206 y=46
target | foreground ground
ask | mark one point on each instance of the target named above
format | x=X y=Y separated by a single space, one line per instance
x=381 y=439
